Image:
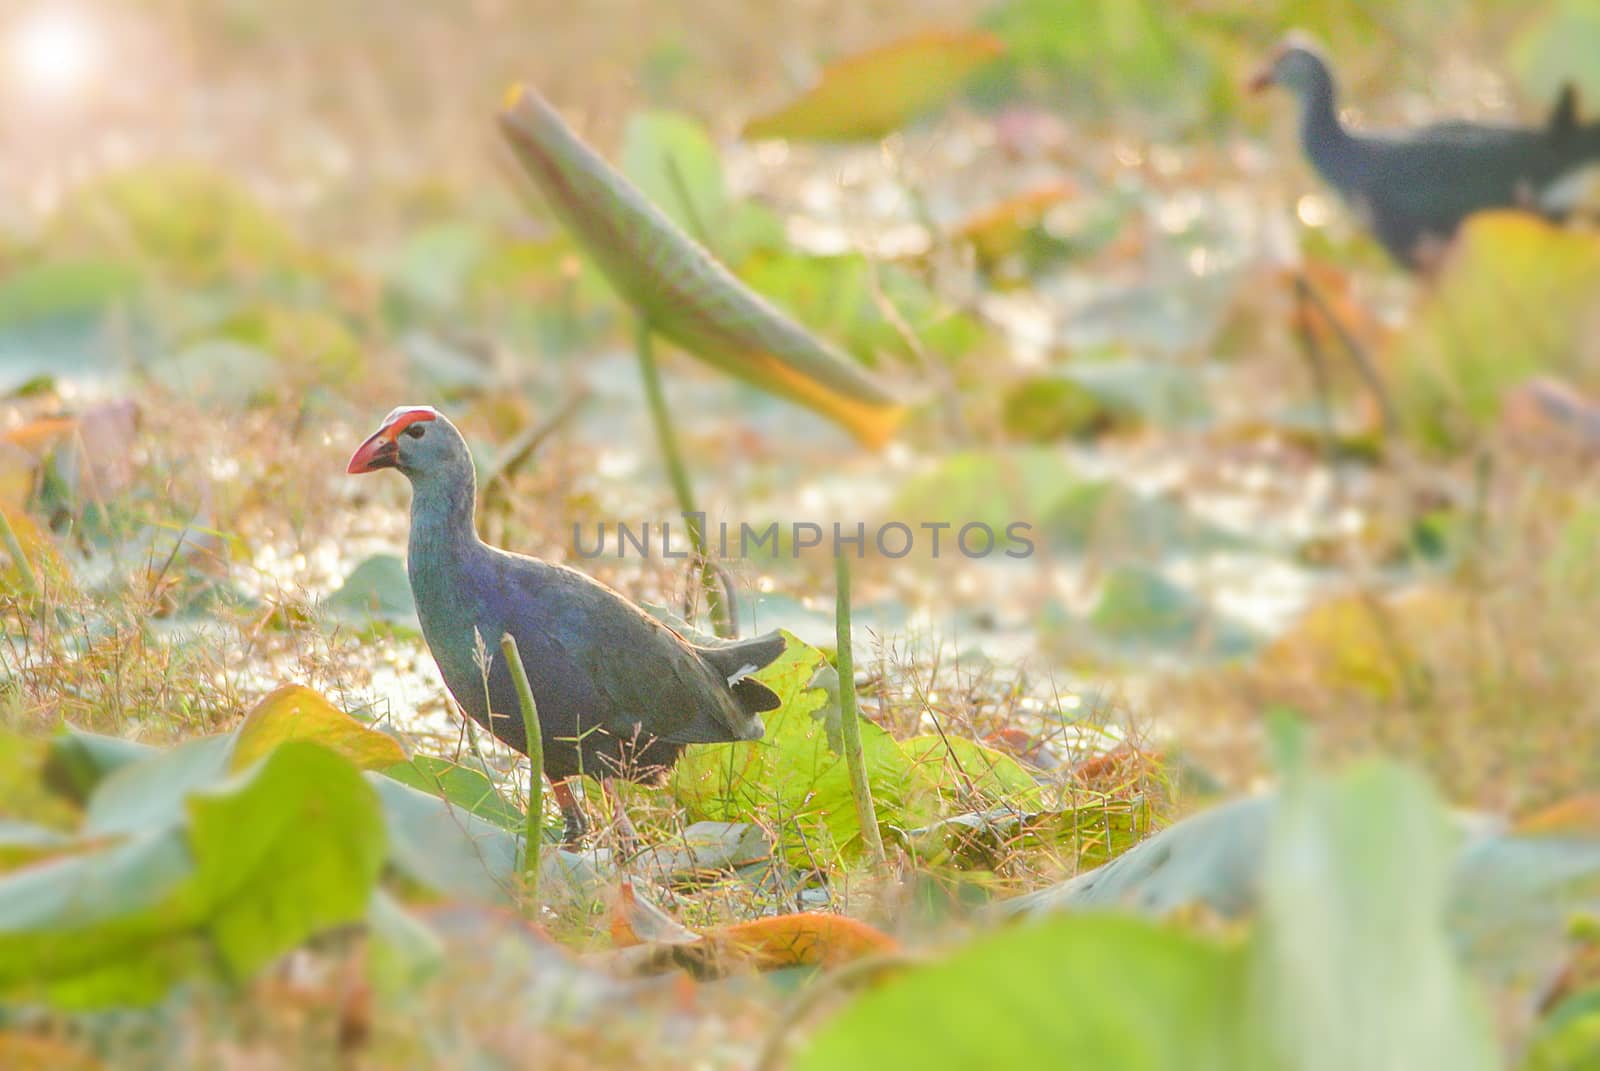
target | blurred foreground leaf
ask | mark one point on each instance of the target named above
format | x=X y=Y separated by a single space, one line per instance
x=449 y=850
x=1353 y=964
x=462 y=786
x=309 y=861
x=77 y=761
x=1109 y=993
x=250 y=869
x=678 y=288
x=1347 y=965
x=876 y=92
x=295 y=712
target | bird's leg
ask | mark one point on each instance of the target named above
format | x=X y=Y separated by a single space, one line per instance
x=574 y=823
x=1309 y=297
x=1311 y=348
x=627 y=836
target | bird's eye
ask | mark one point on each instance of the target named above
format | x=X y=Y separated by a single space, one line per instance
x=416 y=431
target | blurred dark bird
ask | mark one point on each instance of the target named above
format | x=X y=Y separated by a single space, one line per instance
x=1413 y=188
x=619 y=693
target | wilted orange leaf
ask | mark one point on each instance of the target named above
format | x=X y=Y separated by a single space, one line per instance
x=995 y=232
x=878 y=91
x=38 y=435
x=295 y=712
x=1576 y=814
x=636 y=921
x=21 y=1051
x=797 y=940
x=807 y=939
x=680 y=290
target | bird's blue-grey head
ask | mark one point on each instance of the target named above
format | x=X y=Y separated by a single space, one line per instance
x=419 y=442
x=1298 y=66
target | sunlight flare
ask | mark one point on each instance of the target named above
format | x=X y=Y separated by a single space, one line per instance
x=54 y=52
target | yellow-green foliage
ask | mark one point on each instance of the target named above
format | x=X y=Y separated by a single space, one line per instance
x=1517 y=298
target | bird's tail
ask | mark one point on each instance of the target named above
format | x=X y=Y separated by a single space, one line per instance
x=736 y=661
x=1576 y=187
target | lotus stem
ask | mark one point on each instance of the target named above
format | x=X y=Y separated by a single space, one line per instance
x=25 y=575
x=533 y=833
x=720 y=608
x=850 y=717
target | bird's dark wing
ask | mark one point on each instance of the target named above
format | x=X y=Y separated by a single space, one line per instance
x=1427 y=181
x=639 y=670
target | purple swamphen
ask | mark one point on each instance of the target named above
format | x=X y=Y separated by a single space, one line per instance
x=1414 y=187
x=619 y=693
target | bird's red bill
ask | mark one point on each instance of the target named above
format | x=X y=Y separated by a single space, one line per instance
x=378 y=452
x=382 y=447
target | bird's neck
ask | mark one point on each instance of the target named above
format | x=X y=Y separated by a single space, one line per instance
x=1326 y=141
x=441 y=519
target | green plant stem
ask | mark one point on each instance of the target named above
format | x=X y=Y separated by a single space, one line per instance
x=25 y=576
x=850 y=718
x=533 y=833
x=721 y=614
